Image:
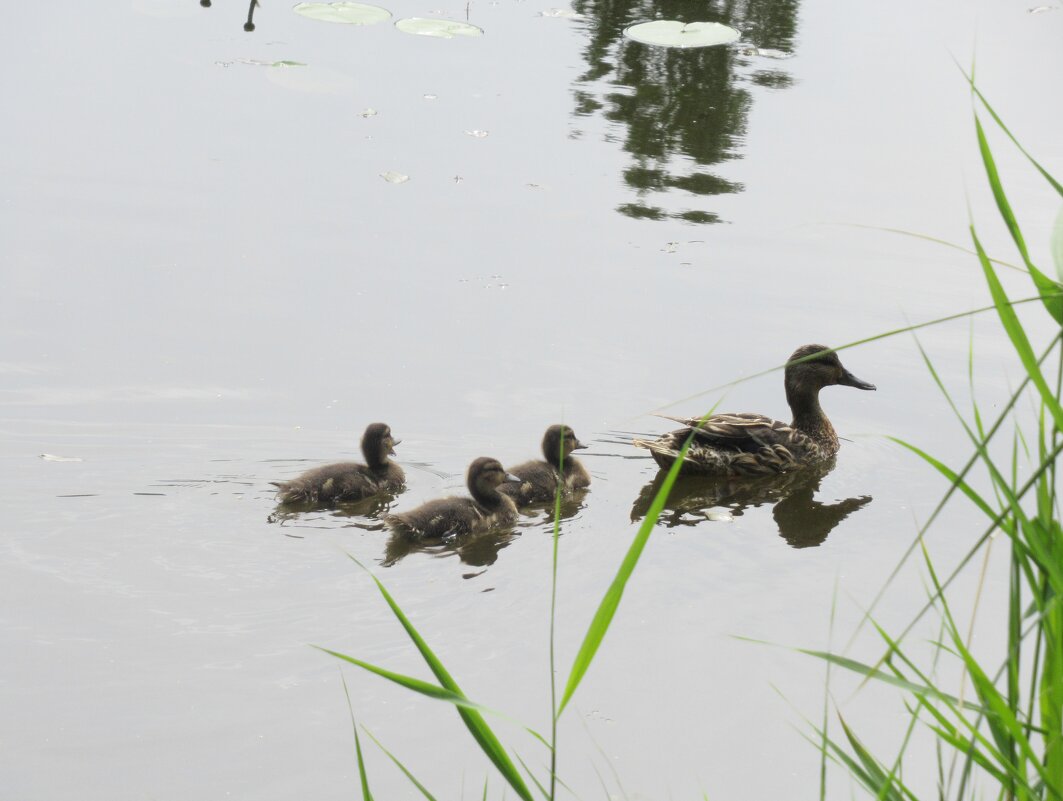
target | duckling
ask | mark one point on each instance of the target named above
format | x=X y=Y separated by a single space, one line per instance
x=752 y=444
x=447 y=518
x=347 y=482
x=539 y=480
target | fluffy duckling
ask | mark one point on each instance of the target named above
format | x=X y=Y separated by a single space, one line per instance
x=539 y=480
x=347 y=482
x=447 y=518
x=752 y=444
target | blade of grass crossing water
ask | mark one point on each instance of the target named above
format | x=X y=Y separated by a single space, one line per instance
x=413 y=780
x=611 y=600
x=363 y=777
x=1048 y=288
x=1017 y=334
x=474 y=721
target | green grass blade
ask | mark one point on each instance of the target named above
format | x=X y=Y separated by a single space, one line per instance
x=996 y=118
x=409 y=682
x=611 y=600
x=413 y=780
x=363 y=777
x=951 y=475
x=1048 y=288
x=474 y=721
x=1017 y=334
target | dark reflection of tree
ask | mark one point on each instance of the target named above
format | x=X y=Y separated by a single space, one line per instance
x=802 y=520
x=684 y=110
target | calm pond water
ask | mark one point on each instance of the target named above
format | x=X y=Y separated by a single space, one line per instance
x=208 y=286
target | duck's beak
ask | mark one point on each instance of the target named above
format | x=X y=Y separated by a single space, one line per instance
x=850 y=380
x=579 y=446
x=513 y=479
x=391 y=447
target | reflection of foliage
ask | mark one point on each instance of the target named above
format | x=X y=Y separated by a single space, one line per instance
x=683 y=109
x=249 y=26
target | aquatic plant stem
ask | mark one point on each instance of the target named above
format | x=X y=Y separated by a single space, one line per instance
x=553 y=621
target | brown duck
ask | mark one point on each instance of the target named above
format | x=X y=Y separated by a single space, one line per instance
x=539 y=480
x=752 y=444
x=449 y=518
x=347 y=482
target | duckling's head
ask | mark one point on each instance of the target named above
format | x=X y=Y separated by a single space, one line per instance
x=485 y=474
x=559 y=440
x=378 y=444
x=820 y=368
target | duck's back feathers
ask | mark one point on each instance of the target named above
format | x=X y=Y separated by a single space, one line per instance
x=735 y=444
x=448 y=518
x=344 y=482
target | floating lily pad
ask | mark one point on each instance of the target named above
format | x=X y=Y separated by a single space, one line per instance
x=440 y=28
x=347 y=13
x=672 y=33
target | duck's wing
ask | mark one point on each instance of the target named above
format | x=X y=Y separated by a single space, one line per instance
x=750 y=444
x=745 y=432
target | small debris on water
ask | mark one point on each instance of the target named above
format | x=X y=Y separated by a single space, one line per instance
x=369 y=112
x=719 y=516
x=431 y=97
x=478 y=134
x=394 y=177
x=51 y=457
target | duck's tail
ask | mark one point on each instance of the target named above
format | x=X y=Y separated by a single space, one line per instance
x=289 y=492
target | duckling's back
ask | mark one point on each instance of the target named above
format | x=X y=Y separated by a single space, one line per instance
x=447 y=518
x=539 y=480
x=344 y=482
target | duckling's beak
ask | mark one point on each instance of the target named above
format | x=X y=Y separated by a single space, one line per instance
x=391 y=447
x=579 y=446
x=850 y=380
x=513 y=479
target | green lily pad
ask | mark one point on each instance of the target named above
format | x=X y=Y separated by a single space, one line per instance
x=347 y=13
x=673 y=33
x=440 y=28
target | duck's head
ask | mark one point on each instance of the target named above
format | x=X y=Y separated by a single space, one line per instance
x=559 y=440
x=823 y=369
x=485 y=474
x=378 y=443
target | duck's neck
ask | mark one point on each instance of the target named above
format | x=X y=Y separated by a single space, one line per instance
x=808 y=415
x=375 y=459
x=486 y=496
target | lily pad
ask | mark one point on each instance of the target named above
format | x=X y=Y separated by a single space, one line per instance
x=673 y=33
x=440 y=28
x=347 y=13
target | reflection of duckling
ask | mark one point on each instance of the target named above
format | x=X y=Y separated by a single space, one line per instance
x=752 y=444
x=346 y=482
x=444 y=518
x=539 y=480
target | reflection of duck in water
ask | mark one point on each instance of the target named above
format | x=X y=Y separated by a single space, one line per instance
x=755 y=445
x=348 y=482
x=802 y=520
x=539 y=480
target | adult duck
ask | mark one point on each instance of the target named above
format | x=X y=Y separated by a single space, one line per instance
x=752 y=444
x=348 y=482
